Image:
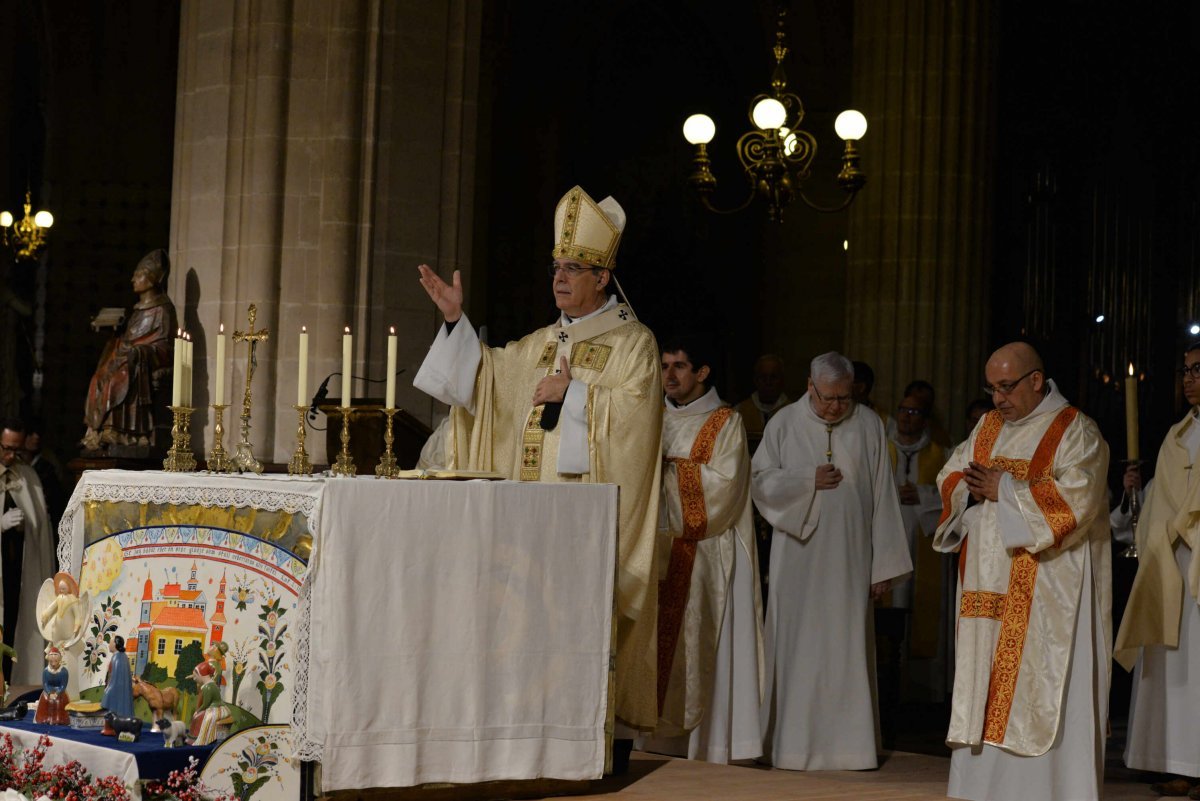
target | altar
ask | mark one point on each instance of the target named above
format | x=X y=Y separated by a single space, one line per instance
x=396 y=632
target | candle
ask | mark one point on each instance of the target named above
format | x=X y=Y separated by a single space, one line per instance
x=1131 y=416
x=188 y=355
x=177 y=371
x=390 y=402
x=302 y=378
x=347 y=349
x=219 y=395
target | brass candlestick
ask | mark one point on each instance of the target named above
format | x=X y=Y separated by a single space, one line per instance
x=344 y=466
x=1135 y=512
x=244 y=459
x=387 y=466
x=300 y=465
x=218 y=458
x=179 y=457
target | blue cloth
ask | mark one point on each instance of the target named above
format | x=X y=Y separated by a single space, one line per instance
x=118 y=695
x=54 y=681
x=154 y=761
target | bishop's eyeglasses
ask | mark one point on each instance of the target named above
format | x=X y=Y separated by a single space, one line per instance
x=572 y=270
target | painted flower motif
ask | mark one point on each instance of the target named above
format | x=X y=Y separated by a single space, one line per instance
x=270 y=681
x=272 y=618
x=270 y=649
x=263 y=748
x=250 y=774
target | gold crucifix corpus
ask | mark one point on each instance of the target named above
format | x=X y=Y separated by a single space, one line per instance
x=244 y=458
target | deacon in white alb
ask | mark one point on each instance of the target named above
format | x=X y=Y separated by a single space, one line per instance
x=1025 y=506
x=709 y=613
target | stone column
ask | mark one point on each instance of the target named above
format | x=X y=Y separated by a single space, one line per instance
x=307 y=171
x=919 y=252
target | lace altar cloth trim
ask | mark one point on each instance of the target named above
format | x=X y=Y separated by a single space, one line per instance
x=271 y=493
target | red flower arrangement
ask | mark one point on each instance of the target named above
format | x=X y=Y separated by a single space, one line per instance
x=26 y=773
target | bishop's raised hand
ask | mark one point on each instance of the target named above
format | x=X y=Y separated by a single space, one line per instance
x=448 y=297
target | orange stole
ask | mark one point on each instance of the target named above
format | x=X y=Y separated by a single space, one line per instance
x=1013 y=608
x=673 y=590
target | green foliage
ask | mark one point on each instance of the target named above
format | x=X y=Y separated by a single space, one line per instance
x=155 y=674
x=189 y=657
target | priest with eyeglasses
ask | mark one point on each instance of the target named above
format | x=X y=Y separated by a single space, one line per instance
x=822 y=478
x=576 y=401
x=1024 y=505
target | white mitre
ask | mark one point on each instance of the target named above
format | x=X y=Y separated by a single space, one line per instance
x=587 y=230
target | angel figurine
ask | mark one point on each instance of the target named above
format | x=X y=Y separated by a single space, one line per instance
x=62 y=612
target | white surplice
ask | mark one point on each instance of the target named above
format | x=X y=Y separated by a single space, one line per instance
x=1034 y=624
x=1165 y=702
x=827 y=548
x=21 y=482
x=712 y=702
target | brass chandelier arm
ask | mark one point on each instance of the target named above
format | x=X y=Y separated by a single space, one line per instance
x=704 y=201
x=828 y=209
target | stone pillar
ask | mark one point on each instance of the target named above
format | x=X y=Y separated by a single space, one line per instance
x=319 y=152
x=920 y=257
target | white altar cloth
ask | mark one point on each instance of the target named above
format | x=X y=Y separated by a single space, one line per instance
x=456 y=631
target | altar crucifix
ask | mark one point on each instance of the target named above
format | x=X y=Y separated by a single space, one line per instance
x=244 y=458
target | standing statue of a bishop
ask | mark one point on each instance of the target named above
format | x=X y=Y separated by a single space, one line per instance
x=1024 y=504
x=579 y=400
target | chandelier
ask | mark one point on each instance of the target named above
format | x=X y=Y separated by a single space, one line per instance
x=777 y=154
x=28 y=236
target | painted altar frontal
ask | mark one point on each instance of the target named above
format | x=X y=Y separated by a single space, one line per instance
x=186 y=574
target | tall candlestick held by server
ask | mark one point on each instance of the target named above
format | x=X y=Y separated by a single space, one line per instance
x=347 y=351
x=390 y=401
x=1131 y=416
x=219 y=394
x=302 y=378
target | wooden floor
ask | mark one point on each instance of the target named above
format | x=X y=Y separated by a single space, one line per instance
x=901 y=777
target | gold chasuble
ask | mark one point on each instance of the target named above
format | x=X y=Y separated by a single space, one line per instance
x=617 y=359
x=1024 y=563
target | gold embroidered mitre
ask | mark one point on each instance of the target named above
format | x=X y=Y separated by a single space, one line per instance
x=587 y=230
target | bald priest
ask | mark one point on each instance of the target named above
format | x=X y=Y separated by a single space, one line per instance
x=579 y=400
x=1024 y=504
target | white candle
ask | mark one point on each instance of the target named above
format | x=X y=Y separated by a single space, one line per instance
x=390 y=402
x=347 y=350
x=302 y=378
x=219 y=395
x=177 y=371
x=188 y=355
x=1131 y=416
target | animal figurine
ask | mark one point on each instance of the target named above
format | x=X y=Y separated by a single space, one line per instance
x=161 y=701
x=174 y=732
x=15 y=712
x=121 y=725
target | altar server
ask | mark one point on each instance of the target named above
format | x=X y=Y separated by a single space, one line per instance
x=1160 y=631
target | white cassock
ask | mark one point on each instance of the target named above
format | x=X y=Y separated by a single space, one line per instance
x=1164 y=708
x=21 y=482
x=827 y=548
x=706 y=546
x=1031 y=677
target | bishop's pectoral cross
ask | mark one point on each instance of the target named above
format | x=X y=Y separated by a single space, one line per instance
x=244 y=458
